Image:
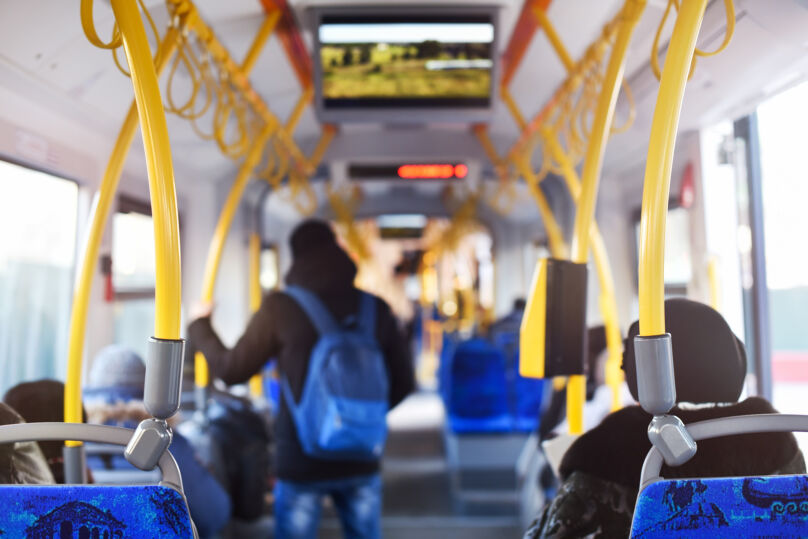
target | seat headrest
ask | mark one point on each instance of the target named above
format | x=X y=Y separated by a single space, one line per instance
x=709 y=360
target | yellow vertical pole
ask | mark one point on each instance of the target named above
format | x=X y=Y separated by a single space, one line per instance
x=608 y=302
x=160 y=170
x=601 y=126
x=201 y=374
x=256 y=295
x=99 y=216
x=656 y=188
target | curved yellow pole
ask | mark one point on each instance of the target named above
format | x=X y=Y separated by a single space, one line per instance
x=601 y=126
x=608 y=301
x=201 y=374
x=160 y=170
x=256 y=295
x=656 y=189
x=99 y=216
x=555 y=238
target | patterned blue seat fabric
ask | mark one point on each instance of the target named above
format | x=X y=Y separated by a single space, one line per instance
x=723 y=507
x=93 y=512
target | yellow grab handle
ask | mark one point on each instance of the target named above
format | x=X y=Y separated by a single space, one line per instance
x=656 y=189
x=98 y=222
x=576 y=397
x=256 y=295
x=168 y=283
x=201 y=374
x=601 y=128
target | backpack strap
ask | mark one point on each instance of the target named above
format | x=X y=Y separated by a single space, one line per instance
x=318 y=314
x=367 y=314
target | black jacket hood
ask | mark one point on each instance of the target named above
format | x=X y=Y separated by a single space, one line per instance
x=615 y=449
x=324 y=271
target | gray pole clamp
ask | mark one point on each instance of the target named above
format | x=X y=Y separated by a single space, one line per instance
x=655 y=379
x=161 y=396
x=668 y=434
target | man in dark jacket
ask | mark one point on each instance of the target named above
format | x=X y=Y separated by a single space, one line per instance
x=600 y=472
x=280 y=329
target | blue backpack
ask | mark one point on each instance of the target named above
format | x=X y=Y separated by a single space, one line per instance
x=342 y=411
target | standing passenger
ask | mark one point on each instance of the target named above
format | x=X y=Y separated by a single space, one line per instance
x=281 y=328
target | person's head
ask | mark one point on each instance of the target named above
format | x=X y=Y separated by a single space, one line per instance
x=311 y=235
x=519 y=305
x=39 y=402
x=114 y=389
x=709 y=360
x=318 y=262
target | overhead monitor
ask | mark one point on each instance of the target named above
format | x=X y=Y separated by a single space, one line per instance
x=405 y=64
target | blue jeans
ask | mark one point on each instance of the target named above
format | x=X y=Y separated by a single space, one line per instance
x=358 y=500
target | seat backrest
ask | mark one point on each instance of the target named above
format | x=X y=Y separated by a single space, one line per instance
x=525 y=394
x=723 y=507
x=773 y=506
x=477 y=399
x=91 y=512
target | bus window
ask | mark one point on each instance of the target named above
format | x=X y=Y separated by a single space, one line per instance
x=783 y=129
x=133 y=273
x=38 y=217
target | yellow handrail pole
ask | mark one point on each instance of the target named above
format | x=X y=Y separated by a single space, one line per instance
x=555 y=238
x=201 y=374
x=555 y=39
x=256 y=295
x=303 y=101
x=167 y=289
x=513 y=108
x=98 y=220
x=608 y=301
x=656 y=188
x=601 y=127
x=329 y=131
x=266 y=29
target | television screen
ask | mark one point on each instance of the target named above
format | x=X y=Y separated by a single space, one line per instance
x=425 y=61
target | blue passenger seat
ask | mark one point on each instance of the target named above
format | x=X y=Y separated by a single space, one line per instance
x=476 y=389
x=92 y=511
x=762 y=506
x=524 y=394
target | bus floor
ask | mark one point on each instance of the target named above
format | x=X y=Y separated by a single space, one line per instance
x=418 y=497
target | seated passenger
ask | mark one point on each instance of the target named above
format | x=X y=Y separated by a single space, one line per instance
x=601 y=471
x=42 y=401
x=21 y=463
x=114 y=395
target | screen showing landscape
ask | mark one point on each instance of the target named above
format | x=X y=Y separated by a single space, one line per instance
x=418 y=62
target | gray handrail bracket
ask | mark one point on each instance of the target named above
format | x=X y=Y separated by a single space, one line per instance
x=655 y=378
x=668 y=434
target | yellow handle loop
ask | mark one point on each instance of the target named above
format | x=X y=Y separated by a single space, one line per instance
x=88 y=25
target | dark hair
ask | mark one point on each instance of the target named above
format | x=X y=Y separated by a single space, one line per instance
x=38 y=402
x=709 y=360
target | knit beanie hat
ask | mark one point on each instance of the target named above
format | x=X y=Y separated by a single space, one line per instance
x=117 y=374
x=709 y=361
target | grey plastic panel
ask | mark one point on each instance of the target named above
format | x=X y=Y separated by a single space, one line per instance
x=655 y=379
x=164 y=362
x=34 y=432
x=74 y=465
x=725 y=426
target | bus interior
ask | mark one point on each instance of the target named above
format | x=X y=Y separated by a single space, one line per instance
x=507 y=175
